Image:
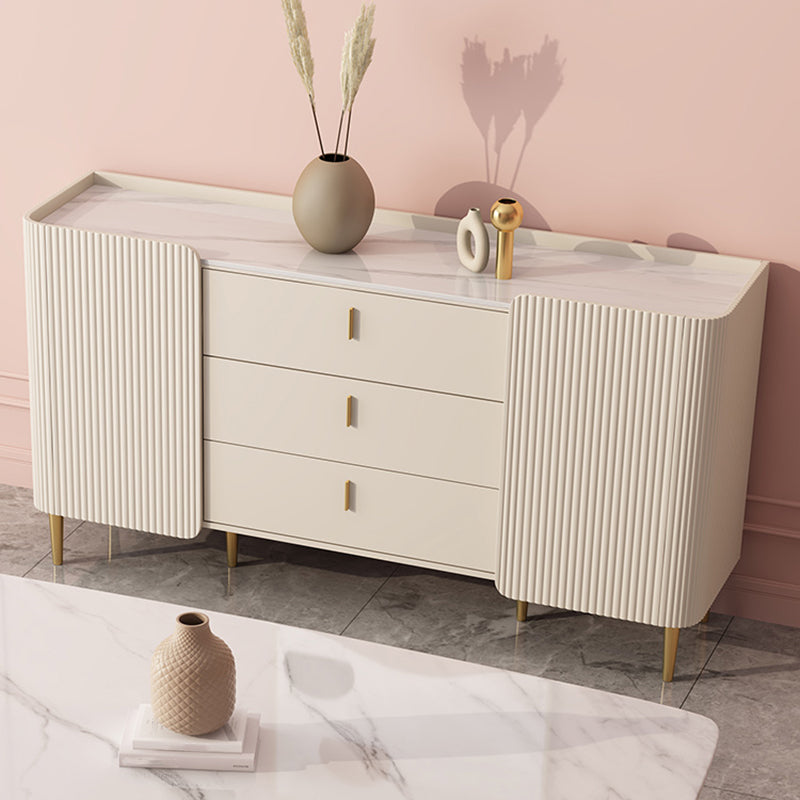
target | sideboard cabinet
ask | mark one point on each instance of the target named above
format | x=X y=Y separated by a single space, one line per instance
x=580 y=433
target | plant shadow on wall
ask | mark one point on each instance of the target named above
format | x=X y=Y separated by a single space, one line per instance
x=501 y=97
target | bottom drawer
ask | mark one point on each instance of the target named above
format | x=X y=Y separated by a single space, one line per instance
x=390 y=514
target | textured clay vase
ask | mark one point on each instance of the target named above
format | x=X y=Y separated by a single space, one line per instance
x=471 y=231
x=333 y=203
x=193 y=678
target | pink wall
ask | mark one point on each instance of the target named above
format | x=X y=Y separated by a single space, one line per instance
x=669 y=123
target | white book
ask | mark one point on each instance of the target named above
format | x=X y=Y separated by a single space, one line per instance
x=149 y=734
x=129 y=756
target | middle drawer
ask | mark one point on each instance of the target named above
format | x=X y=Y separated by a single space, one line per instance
x=406 y=430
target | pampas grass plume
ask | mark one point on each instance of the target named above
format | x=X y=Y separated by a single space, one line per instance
x=356 y=57
x=300 y=48
x=299 y=45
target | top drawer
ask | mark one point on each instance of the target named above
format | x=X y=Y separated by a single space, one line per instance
x=397 y=340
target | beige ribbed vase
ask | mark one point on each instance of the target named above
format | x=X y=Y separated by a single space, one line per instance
x=193 y=678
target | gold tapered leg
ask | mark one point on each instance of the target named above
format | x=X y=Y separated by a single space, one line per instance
x=705 y=618
x=57 y=538
x=522 y=610
x=670 y=651
x=232 y=542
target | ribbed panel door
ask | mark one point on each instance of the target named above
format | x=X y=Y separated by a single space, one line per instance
x=608 y=432
x=114 y=342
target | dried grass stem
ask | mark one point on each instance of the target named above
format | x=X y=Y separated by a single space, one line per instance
x=356 y=57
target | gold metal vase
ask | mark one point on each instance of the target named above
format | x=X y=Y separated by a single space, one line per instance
x=506 y=216
x=193 y=678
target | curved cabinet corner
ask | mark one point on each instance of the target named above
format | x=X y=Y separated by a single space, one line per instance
x=627 y=438
x=114 y=330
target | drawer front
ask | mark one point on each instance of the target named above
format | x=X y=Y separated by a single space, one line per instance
x=390 y=514
x=408 y=342
x=406 y=430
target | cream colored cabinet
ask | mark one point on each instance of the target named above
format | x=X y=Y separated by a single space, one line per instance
x=627 y=443
x=580 y=433
x=427 y=344
x=314 y=393
x=354 y=421
x=372 y=512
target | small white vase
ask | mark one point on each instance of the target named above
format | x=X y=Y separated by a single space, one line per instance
x=471 y=229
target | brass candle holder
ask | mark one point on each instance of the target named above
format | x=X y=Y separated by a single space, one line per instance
x=506 y=216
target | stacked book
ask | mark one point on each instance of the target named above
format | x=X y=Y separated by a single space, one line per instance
x=146 y=743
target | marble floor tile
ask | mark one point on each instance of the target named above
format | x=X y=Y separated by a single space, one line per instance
x=627 y=658
x=24 y=531
x=274 y=581
x=708 y=793
x=468 y=619
x=751 y=689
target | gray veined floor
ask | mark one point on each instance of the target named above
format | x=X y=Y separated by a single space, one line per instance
x=744 y=675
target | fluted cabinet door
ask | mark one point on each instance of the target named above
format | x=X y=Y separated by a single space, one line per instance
x=618 y=496
x=114 y=329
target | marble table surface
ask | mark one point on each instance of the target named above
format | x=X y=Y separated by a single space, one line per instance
x=401 y=253
x=340 y=718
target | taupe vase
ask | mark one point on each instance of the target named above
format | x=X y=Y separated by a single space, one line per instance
x=193 y=678
x=333 y=203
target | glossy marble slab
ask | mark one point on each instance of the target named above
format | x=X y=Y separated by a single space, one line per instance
x=416 y=255
x=340 y=718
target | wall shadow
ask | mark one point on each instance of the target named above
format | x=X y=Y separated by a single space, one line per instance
x=457 y=201
x=688 y=241
x=501 y=95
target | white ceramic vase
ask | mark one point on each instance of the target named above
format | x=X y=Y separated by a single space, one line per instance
x=193 y=678
x=472 y=233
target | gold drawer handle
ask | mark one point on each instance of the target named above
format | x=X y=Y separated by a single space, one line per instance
x=351 y=316
x=347 y=495
x=349 y=413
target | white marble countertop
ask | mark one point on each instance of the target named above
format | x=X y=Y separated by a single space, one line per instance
x=340 y=718
x=414 y=255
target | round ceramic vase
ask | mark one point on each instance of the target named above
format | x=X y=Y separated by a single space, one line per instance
x=472 y=230
x=193 y=678
x=333 y=203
